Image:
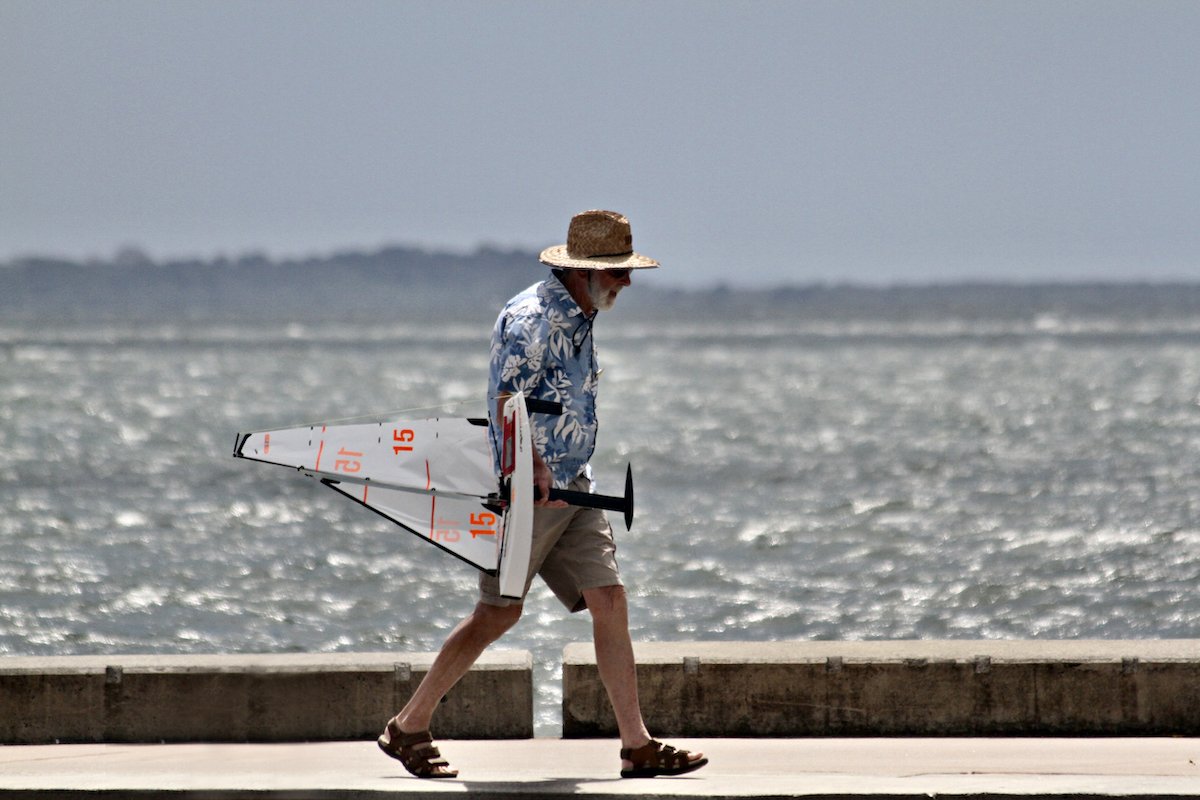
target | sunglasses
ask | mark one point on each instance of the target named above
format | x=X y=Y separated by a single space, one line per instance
x=618 y=274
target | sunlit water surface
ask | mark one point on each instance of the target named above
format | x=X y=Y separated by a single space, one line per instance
x=795 y=480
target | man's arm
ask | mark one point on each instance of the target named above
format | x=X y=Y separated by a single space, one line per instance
x=542 y=477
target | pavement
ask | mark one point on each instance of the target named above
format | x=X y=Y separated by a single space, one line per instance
x=552 y=768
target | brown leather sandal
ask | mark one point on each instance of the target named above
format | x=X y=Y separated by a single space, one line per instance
x=654 y=759
x=416 y=751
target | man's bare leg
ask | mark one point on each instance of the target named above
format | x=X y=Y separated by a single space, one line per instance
x=615 y=662
x=462 y=648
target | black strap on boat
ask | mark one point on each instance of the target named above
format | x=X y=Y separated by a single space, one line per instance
x=549 y=407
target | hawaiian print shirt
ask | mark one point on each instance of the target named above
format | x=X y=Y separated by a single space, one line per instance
x=542 y=347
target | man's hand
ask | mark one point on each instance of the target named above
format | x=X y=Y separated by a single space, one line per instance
x=543 y=480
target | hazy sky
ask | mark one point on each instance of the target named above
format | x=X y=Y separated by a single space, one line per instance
x=752 y=142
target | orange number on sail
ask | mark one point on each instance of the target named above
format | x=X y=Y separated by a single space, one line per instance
x=446 y=530
x=406 y=436
x=485 y=523
x=349 y=461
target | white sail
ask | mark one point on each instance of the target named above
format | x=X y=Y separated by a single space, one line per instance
x=438 y=455
x=434 y=477
x=462 y=526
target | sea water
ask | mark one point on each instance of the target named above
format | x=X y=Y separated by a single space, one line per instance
x=929 y=476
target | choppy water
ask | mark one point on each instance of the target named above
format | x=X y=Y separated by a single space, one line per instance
x=797 y=479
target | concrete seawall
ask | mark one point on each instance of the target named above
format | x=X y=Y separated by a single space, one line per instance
x=693 y=689
x=251 y=698
x=899 y=688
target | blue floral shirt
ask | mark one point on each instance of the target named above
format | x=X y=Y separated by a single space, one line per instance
x=542 y=347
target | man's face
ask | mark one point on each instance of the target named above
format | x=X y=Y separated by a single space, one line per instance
x=604 y=285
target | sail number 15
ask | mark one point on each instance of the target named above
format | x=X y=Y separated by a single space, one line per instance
x=483 y=523
x=405 y=438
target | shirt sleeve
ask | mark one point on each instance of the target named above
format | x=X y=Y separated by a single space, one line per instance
x=519 y=354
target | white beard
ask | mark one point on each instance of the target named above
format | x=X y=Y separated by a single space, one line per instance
x=601 y=300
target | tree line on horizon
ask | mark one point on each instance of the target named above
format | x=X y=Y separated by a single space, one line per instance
x=405 y=280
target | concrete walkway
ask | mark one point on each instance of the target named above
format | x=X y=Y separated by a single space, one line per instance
x=550 y=768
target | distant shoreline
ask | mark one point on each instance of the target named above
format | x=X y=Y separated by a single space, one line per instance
x=407 y=257
x=400 y=281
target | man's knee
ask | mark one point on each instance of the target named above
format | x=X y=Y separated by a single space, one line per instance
x=606 y=600
x=496 y=620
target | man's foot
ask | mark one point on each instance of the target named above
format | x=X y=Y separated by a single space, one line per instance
x=655 y=758
x=416 y=751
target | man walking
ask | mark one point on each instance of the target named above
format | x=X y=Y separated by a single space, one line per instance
x=542 y=347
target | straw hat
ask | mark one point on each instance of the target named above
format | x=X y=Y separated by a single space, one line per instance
x=597 y=240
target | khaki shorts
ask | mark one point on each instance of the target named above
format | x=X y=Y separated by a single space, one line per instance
x=573 y=550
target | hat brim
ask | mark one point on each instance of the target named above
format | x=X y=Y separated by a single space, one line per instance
x=557 y=257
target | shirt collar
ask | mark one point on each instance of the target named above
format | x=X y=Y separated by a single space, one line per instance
x=559 y=296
